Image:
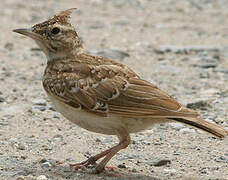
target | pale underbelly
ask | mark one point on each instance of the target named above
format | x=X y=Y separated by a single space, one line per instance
x=109 y=125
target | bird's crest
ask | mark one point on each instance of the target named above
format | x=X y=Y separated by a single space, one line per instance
x=64 y=16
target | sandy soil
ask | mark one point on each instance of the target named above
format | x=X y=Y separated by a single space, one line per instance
x=179 y=45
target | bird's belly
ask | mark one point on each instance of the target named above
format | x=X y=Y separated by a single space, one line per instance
x=88 y=121
x=105 y=125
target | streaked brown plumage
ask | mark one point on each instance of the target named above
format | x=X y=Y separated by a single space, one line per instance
x=101 y=95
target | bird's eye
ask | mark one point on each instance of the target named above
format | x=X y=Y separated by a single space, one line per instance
x=55 y=30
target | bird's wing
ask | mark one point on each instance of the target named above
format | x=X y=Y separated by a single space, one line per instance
x=104 y=89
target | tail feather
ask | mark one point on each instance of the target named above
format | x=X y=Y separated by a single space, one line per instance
x=204 y=125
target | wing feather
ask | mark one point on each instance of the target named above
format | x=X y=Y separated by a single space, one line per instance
x=115 y=89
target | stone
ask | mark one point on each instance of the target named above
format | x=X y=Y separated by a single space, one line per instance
x=201 y=104
x=158 y=162
x=222 y=159
x=170 y=170
x=205 y=93
x=51 y=107
x=58 y=136
x=4 y=122
x=176 y=126
x=52 y=162
x=146 y=142
x=43 y=160
x=204 y=75
x=207 y=65
x=40 y=102
x=186 y=49
x=46 y=165
x=204 y=171
x=187 y=130
x=122 y=166
x=41 y=108
x=2 y=99
x=20 y=146
x=42 y=177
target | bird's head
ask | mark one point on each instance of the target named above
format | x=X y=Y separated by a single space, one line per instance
x=56 y=37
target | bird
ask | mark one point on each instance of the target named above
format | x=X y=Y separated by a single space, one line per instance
x=102 y=95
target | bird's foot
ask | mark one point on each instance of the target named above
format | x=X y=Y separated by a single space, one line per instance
x=112 y=168
x=84 y=164
x=114 y=172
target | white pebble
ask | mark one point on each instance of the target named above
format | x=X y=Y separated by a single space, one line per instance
x=187 y=130
x=41 y=177
x=41 y=102
x=176 y=126
x=173 y=171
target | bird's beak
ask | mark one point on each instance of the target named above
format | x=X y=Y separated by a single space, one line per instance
x=28 y=32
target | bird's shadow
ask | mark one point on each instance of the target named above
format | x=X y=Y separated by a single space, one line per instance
x=14 y=168
x=65 y=172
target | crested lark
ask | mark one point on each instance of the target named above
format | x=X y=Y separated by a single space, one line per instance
x=101 y=95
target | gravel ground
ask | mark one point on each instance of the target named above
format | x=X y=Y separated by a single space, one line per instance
x=182 y=46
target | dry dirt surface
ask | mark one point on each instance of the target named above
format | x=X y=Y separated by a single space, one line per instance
x=181 y=46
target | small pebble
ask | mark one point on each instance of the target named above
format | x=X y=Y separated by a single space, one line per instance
x=51 y=107
x=204 y=171
x=46 y=165
x=41 y=177
x=4 y=123
x=187 y=130
x=98 y=140
x=222 y=159
x=122 y=166
x=41 y=102
x=157 y=143
x=21 y=178
x=157 y=163
x=176 y=126
x=70 y=159
x=185 y=49
x=41 y=108
x=208 y=65
x=24 y=157
x=146 y=142
x=43 y=160
x=172 y=171
x=2 y=99
x=106 y=140
x=202 y=105
x=52 y=162
x=56 y=115
x=204 y=75
x=58 y=136
x=21 y=146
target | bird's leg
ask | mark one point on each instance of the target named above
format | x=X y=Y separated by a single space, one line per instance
x=92 y=160
x=123 y=144
x=125 y=139
x=108 y=154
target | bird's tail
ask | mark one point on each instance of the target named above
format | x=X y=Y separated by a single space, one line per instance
x=204 y=125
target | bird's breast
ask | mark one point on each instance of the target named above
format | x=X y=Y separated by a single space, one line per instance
x=91 y=122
